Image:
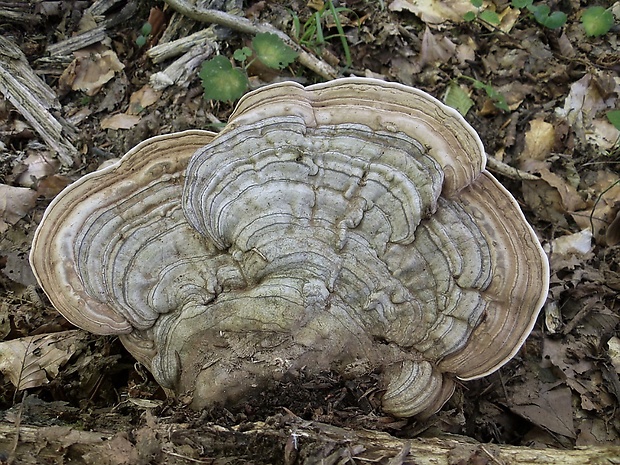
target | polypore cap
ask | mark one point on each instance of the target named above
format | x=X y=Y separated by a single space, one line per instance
x=347 y=226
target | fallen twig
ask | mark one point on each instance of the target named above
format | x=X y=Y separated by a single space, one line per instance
x=241 y=24
x=496 y=166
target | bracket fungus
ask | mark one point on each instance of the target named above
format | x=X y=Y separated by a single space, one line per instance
x=347 y=226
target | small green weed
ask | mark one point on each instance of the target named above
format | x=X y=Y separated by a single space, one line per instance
x=224 y=82
x=614 y=118
x=145 y=32
x=311 y=33
x=487 y=16
x=597 y=21
x=458 y=99
x=541 y=13
x=498 y=99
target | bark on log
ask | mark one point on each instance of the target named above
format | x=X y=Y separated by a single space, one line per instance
x=278 y=440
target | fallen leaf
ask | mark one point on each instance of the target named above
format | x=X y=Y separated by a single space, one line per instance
x=579 y=243
x=15 y=203
x=550 y=409
x=35 y=360
x=600 y=214
x=90 y=70
x=613 y=352
x=37 y=166
x=539 y=140
x=435 y=11
x=435 y=49
x=584 y=109
x=612 y=236
x=142 y=98
x=571 y=201
x=120 y=121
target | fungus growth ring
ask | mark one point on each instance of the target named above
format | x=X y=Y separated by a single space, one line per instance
x=347 y=226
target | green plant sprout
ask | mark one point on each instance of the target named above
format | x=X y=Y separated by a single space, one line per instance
x=597 y=21
x=145 y=32
x=487 y=16
x=459 y=100
x=542 y=13
x=310 y=34
x=224 y=82
x=498 y=99
x=614 y=118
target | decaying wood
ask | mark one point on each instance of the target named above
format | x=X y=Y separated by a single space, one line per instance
x=19 y=12
x=78 y=41
x=499 y=167
x=34 y=99
x=244 y=25
x=91 y=36
x=172 y=49
x=277 y=440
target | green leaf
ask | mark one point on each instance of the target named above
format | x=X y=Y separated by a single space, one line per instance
x=490 y=17
x=476 y=3
x=614 y=118
x=146 y=29
x=469 y=16
x=140 y=41
x=458 y=99
x=221 y=81
x=242 y=54
x=521 y=3
x=554 y=20
x=597 y=21
x=541 y=15
x=272 y=51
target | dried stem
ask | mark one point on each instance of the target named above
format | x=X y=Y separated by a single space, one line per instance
x=244 y=25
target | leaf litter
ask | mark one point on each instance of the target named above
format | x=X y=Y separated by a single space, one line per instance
x=562 y=389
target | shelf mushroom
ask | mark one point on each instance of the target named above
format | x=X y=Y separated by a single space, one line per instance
x=347 y=226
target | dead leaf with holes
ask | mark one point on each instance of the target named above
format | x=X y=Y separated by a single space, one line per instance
x=35 y=360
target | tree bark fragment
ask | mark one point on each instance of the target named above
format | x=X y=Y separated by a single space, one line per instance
x=278 y=440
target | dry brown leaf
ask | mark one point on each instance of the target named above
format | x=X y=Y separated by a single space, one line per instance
x=15 y=203
x=539 y=140
x=612 y=236
x=435 y=49
x=604 y=189
x=570 y=199
x=584 y=109
x=142 y=98
x=117 y=451
x=34 y=360
x=90 y=70
x=36 y=167
x=120 y=121
x=550 y=409
x=614 y=352
x=579 y=243
x=434 y=11
x=51 y=186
